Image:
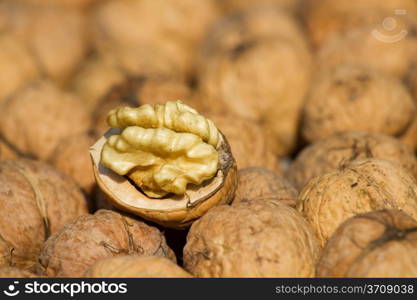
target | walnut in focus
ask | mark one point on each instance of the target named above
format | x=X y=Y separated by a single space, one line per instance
x=358 y=187
x=259 y=238
x=85 y=240
x=377 y=244
x=36 y=201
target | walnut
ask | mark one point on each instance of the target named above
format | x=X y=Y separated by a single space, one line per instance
x=259 y=238
x=169 y=152
x=346 y=97
x=36 y=201
x=39 y=117
x=55 y=36
x=358 y=187
x=85 y=240
x=377 y=244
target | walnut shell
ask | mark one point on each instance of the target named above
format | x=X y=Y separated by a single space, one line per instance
x=36 y=201
x=172 y=28
x=390 y=54
x=377 y=244
x=55 y=36
x=259 y=183
x=248 y=142
x=328 y=154
x=259 y=238
x=358 y=187
x=139 y=90
x=344 y=98
x=326 y=17
x=71 y=251
x=133 y=266
x=39 y=117
x=12 y=272
x=270 y=89
x=17 y=64
x=171 y=211
x=72 y=158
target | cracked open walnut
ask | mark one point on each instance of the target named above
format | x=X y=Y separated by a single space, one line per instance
x=165 y=163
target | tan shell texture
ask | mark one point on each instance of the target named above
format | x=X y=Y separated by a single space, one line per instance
x=359 y=187
x=247 y=140
x=371 y=47
x=259 y=183
x=134 y=266
x=36 y=119
x=328 y=154
x=12 y=272
x=324 y=18
x=260 y=238
x=377 y=244
x=344 y=98
x=172 y=27
x=71 y=251
x=55 y=36
x=36 y=201
x=72 y=158
x=174 y=212
x=17 y=62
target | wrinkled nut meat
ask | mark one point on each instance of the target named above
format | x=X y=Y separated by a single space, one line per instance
x=176 y=163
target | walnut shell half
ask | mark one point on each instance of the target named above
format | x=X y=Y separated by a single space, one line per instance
x=174 y=212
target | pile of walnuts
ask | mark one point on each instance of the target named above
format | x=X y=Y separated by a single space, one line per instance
x=209 y=138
